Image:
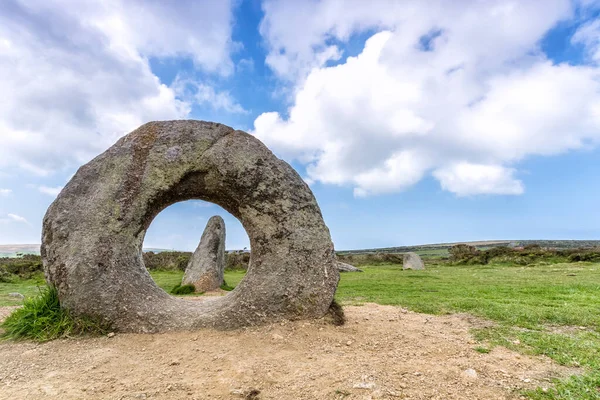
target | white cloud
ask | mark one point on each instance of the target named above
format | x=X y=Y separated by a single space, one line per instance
x=17 y=218
x=189 y=28
x=79 y=77
x=195 y=92
x=5 y=192
x=245 y=64
x=459 y=90
x=201 y=204
x=14 y=218
x=298 y=41
x=51 y=191
x=465 y=179
x=589 y=35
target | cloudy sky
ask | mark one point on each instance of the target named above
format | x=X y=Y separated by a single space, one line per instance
x=412 y=121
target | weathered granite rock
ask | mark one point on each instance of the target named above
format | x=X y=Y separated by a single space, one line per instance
x=94 y=230
x=343 y=267
x=412 y=261
x=206 y=266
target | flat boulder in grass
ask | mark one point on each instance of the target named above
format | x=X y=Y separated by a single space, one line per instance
x=206 y=266
x=93 y=232
x=343 y=267
x=412 y=261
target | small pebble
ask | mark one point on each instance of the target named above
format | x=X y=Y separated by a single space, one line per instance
x=470 y=373
x=364 y=385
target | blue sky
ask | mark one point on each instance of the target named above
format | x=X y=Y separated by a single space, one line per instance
x=413 y=122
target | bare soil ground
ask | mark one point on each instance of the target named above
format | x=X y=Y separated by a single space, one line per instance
x=383 y=352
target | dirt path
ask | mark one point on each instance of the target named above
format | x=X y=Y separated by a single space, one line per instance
x=383 y=352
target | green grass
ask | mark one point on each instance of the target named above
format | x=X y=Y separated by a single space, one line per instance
x=167 y=280
x=225 y=286
x=27 y=287
x=529 y=304
x=41 y=319
x=537 y=309
x=573 y=348
x=527 y=297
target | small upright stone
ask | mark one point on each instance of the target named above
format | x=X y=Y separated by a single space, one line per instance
x=412 y=261
x=205 y=268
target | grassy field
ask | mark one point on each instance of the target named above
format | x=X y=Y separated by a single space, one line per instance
x=549 y=309
x=27 y=287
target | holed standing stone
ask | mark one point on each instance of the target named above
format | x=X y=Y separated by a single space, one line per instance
x=93 y=232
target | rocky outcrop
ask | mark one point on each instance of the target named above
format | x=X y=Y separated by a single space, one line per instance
x=94 y=230
x=206 y=266
x=412 y=261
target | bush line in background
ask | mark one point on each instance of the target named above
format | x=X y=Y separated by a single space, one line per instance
x=28 y=266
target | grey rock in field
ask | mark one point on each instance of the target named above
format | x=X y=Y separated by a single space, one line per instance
x=16 y=295
x=412 y=261
x=93 y=232
x=343 y=267
x=206 y=266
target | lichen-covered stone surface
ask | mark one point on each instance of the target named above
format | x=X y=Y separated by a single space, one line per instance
x=93 y=232
x=412 y=261
x=206 y=266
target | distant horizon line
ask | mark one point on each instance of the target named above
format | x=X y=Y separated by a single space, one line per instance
x=18 y=247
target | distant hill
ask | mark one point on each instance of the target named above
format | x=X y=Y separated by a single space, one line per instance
x=555 y=244
x=17 y=248
x=11 y=250
x=156 y=250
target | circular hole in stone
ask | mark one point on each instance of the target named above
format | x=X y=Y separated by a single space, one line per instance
x=174 y=235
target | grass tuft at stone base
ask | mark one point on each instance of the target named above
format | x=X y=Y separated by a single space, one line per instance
x=183 y=289
x=41 y=319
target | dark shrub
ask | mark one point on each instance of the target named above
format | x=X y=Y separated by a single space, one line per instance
x=590 y=256
x=183 y=289
x=237 y=260
x=24 y=267
x=378 y=258
x=226 y=287
x=462 y=252
x=167 y=260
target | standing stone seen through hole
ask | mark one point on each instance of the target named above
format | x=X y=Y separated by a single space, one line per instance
x=205 y=268
x=412 y=261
